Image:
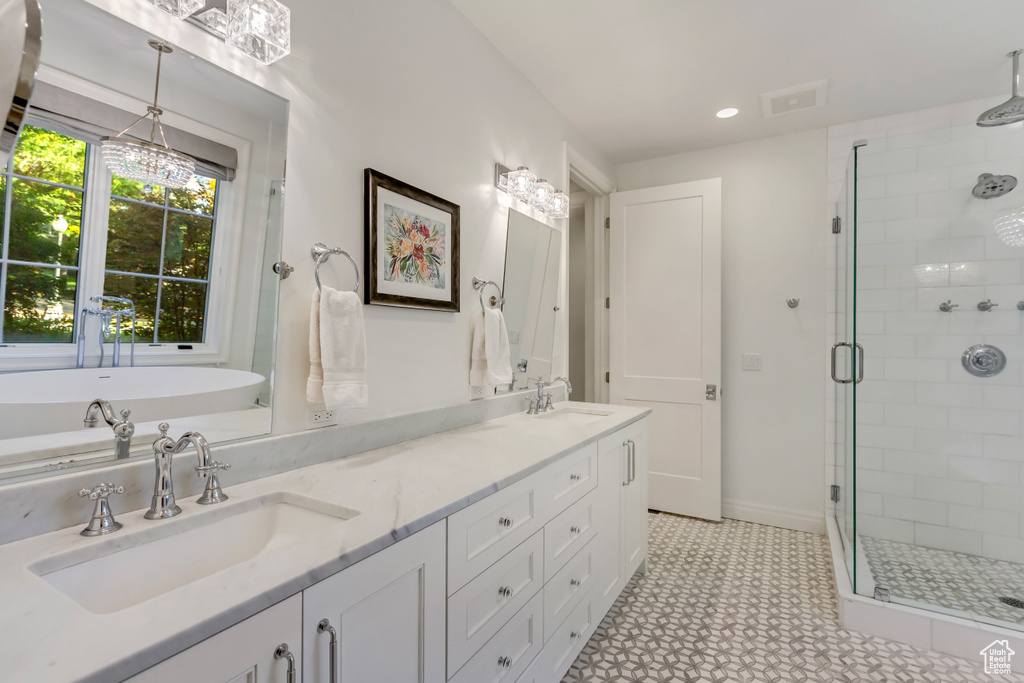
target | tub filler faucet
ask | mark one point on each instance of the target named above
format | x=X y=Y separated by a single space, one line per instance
x=164 y=450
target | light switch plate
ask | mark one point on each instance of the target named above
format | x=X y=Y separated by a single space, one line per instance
x=752 y=362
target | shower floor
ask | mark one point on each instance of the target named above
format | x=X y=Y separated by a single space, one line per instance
x=965 y=585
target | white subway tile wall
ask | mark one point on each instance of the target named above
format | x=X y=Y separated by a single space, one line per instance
x=940 y=459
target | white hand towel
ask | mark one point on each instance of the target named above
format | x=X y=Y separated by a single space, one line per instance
x=478 y=358
x=343 y=349
x=315 y=383
x=496 y=348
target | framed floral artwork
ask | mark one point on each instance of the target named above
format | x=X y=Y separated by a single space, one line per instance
x=412 y=246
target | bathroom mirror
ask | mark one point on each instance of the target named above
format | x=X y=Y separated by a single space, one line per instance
x=82 y=253
x=20 y=43
x=533 y=257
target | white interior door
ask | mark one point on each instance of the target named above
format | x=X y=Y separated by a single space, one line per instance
x=666 y=335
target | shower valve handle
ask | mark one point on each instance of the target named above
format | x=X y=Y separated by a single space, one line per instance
x=986 y=305
x=947 y=306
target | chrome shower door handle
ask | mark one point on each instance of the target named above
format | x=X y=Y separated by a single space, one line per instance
x=835 y=349
x=860 y=364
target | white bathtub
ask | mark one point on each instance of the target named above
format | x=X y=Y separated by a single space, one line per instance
x=48 y=401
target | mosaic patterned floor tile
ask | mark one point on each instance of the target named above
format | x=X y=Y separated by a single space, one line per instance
x=736 y=602
x=952 y=580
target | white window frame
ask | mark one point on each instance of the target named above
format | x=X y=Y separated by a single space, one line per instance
x=223 y=285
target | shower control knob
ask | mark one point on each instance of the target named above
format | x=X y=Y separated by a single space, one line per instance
x=947 y=306
x=986 y=305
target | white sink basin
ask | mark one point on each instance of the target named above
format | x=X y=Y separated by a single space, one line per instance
x=580 y=416
x=111 y=575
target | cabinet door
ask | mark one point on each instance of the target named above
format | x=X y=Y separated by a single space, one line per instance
x=636 y=498
x=243 y=653
x=612 y=478
x=389 y=615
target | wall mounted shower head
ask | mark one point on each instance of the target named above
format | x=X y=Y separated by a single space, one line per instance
x=1010 y=111
x=991 y=186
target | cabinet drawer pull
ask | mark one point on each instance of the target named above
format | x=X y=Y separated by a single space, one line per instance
x=505 y=592
x=282 y=652
x=325 y=627
x=505 y=662
x=574 y=636
x=575 y=477
x=575 y=583
x=505 y=522
x=575 y=530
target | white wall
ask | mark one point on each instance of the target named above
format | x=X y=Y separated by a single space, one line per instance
x=773 y=245
x=412 y=89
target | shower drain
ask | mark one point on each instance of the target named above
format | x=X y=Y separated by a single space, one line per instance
x=1012 y=602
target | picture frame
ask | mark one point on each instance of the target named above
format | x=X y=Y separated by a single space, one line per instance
x=411 y=257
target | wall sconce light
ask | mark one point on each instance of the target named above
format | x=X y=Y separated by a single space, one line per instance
x=259 y=28
x=526 y=187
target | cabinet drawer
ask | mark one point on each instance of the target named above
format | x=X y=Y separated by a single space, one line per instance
x=569 y=586
x=510 y=651
x=567 y=641
x=486 y=531
x=570 y=479
x=482 y=606
x=567 y=533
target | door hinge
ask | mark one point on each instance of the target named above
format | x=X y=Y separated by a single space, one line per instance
x=608 y=223
x=837 y=225
x=607 y=302
x=607 y=378
x=711 y=392
x=834 y=493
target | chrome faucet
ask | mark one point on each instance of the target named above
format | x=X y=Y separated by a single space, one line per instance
x=123 y=429
x=83 y=323
x=542 y=402
x=164 y=450
x=117 y=316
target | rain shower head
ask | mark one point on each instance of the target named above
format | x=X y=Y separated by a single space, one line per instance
x=1010 y=111
x=991 y=186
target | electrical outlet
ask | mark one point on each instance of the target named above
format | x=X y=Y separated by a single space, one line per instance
x=476 y=392
x=752 y=361
x=320 y=416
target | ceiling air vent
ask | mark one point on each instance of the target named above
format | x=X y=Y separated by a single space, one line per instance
x=804 y=96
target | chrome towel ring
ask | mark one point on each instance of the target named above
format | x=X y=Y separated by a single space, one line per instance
x=494 y=301
x=321 y=252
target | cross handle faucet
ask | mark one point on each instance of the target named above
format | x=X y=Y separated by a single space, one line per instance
x=123 y=429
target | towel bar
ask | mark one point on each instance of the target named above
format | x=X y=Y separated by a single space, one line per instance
x=321 y=252
x=495 y=301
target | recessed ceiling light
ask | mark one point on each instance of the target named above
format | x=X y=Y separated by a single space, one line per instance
x=728 y=113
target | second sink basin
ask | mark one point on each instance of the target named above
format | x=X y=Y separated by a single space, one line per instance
x=579 y=416
x=114 y=575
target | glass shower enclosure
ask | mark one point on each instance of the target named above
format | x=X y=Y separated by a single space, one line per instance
x=927 y=371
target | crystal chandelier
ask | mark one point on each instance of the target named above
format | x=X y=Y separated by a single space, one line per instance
x=148 y=162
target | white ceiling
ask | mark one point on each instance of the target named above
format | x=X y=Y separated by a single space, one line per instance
x=644 y=78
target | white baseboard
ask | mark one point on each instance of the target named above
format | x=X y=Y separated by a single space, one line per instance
x=771 y=515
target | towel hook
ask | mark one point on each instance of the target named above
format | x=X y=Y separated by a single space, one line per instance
x=321 y=252
x=495 y=301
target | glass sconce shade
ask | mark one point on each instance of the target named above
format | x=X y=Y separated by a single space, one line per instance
x=178 y=8
x=259 y=28
x=520 y=183
x=1010 y=227
x=542 y=192
x=559 y=206
x=147 y=163
x=215 y=20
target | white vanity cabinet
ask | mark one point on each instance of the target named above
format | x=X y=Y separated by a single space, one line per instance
x=388 y=615
x=243 y=653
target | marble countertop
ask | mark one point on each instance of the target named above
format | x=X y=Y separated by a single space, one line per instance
x=397 y=491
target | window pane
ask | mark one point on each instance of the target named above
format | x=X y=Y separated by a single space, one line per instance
x=40 y=304
x=182 y=312
x=142 y=291
x=50 y=156
x=196 y=197
x=133 y=238
x=45 y=223
x=187 y=253
x=133 y=189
